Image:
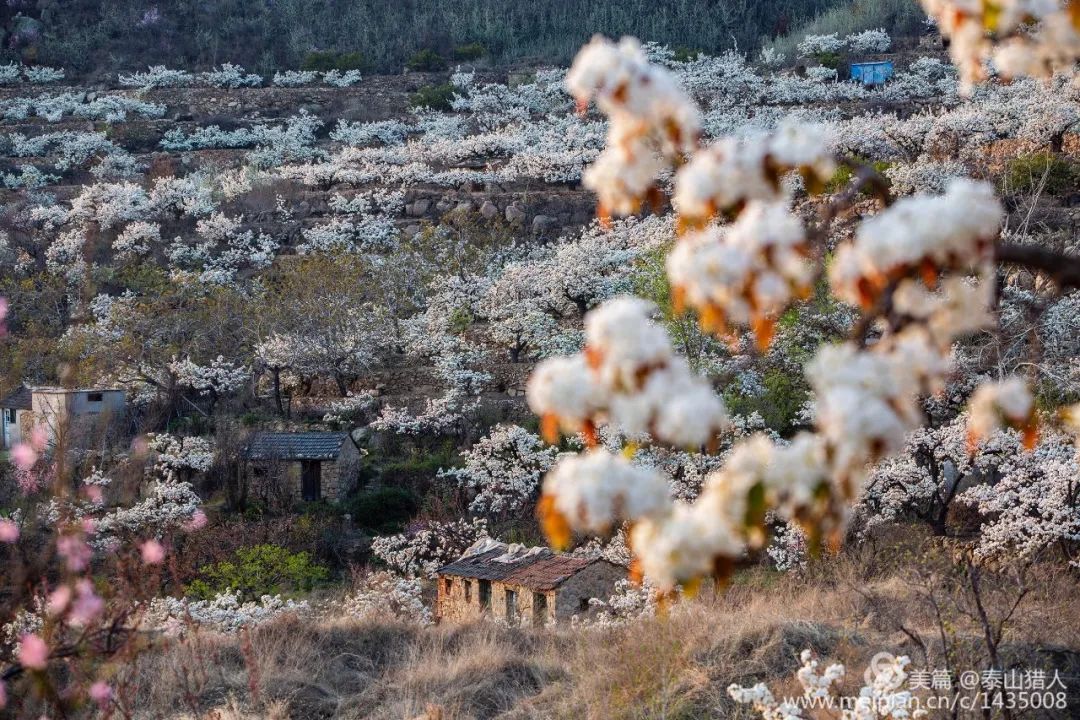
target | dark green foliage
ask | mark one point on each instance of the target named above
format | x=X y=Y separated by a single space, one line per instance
x=785 y=393
x=471 y=51
x=324 y=60
x=384 y=511
x=269 y=35
x=436 y=97
x=843 y=176
x=260 y=570
x=1026 y=172
x=828 y=59
x=684 y=54
x=426 y=60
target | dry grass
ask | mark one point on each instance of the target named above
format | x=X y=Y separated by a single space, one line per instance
x=674 y=666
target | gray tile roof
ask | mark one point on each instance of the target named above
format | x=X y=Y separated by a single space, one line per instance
x=296 y=446
x=19 y=399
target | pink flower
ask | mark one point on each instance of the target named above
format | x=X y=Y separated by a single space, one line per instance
x=93 y=494
x=39 y=437
x=87 y=605
x=58 y=600
x=152 y=552
x=89 y=526
x=23 y=456
x=3 y=695
x=9 y=531
x=3 y=332
x=75 y=550
x=100 y=692
x=197 y=521
x=33 y=652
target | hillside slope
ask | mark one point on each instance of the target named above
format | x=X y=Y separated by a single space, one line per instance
x=92 y=35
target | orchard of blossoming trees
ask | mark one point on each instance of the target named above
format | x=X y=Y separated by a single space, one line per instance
x=706 y=317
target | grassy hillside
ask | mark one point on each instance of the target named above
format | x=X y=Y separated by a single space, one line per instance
x=272 y=34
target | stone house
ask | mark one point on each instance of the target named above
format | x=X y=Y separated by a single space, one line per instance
x=309 y=465
x=56 y=410
x=522 y=585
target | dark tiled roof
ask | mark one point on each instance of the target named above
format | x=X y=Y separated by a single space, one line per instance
x=19 y=399
x=548 y=573
x=482 y=566
x=296 y=446
x=538 y=570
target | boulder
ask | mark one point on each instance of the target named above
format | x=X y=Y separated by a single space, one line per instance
x=543 y=223
x=514 y=215
x=488 y=210
x=419 y=207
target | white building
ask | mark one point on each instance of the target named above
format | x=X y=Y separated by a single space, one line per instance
x=52 y=408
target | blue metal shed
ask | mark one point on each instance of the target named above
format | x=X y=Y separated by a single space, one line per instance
x=872 y=73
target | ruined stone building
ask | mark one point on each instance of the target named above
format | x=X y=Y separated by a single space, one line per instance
x=308 y=466
x=522 y=585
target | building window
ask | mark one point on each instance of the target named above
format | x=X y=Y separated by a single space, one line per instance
x=540 y=609
x=485 y=593
x=468 y=591
x=583 y=605
x=95 y=397
x=9 y=415
x=511 y=606
x=448 y=586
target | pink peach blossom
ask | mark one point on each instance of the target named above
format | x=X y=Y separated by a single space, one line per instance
x=87 y=605
x=59 y=600
x=75 y=550
x=23 y=456
x=100 y=692
x=33 y=652
x=153 y=552
x=197 y=521
x=9 y=531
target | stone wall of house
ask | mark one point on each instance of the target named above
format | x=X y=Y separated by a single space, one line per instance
x=595 y=581
x=459 y=599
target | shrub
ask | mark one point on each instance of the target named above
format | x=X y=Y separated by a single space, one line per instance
x=684 y=54
x=844 y=175
x=326 y=60
x=426 y=60
x=828 y=59
x=384 y=511
x=257 y=571
x=1025 y=172
x=435 y=97
x=471 y=51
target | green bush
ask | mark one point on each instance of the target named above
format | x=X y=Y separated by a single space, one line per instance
x=843 y=176
x=684 y=54
x=384 y=511
x=260 y=570
x=784 y=395
x=426 y=60
x=830 y=60
x=471 y=51
x=324 y=60
x=1025 y=172
x=436 y=97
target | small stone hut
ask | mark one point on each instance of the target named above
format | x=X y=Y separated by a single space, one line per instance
x=311 y=465
x=56 y=409
x=522 y=585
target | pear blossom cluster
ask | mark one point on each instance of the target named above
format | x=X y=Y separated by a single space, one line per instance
x=627 y=375
x=225 y=613
x=918 y=234
x=503 y=470
x=743 y=274
x=383 y=595
x=883 y=697
x=1015 y=37
x=421 y=552
x=650 y=117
